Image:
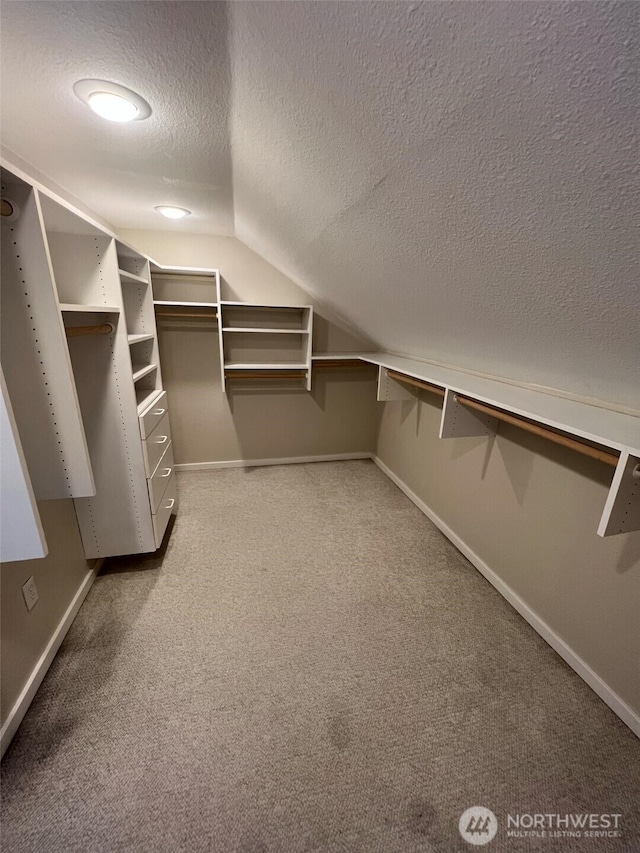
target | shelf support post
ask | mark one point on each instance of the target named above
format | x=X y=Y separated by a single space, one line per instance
x=622 y=509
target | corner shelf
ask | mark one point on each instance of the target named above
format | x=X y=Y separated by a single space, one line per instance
x=131 y=278
x=336 y=356
x=265 y=338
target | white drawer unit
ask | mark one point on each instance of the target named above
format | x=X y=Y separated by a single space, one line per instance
x=161 y=476
x=151 y=417
x=168 y=505
x=154 y=447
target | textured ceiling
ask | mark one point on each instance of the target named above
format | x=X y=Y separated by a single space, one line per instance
x=458 y=180
x=173 y=54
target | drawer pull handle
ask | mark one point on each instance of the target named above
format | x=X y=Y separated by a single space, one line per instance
x=170 y=504
x=168 y=470
x=158 y=412
x=161 y=439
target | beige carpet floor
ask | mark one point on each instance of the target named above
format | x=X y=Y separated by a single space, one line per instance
x=310 y=666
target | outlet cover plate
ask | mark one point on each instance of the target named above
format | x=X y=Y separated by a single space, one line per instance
x=30 y=593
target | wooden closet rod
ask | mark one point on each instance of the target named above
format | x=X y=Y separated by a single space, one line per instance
x=544 y=432
x=418 y=383
x=81 y=331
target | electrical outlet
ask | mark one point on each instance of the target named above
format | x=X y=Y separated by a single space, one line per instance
x=30 y=593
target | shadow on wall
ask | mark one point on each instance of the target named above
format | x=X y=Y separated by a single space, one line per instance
x=520 y=462
x=630 y=555
x=519 y=466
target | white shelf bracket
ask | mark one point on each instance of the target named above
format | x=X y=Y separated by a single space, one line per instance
x=460 y=422
x=621 y=512
x=391 y=389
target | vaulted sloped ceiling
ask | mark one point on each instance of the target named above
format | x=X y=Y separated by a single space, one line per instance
x=458 y=180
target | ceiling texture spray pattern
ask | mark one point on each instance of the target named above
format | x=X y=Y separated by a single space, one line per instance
x=172 y=54
x=459 y=181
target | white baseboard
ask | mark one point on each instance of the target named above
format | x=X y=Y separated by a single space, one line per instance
x=256 y=463
x=16 y=714
x=617 y=705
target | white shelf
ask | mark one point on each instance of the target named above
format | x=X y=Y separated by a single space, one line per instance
x=143 y=370
x=336 y=356
x=137 y=339
x=250 y=305
x=263 y=366
x=89 y=309
x=131 y=278
x=266 y=331
x=185 y=304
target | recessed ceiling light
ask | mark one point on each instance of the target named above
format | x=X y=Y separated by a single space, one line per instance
x=172 y=212
x=111 y=101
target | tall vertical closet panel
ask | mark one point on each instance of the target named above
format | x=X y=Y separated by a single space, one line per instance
x=85 y=264
x=80 y=350
x=35 y=357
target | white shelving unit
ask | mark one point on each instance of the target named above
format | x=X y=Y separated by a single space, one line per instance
x=253 y=339
x=592 y=424
x=80 y=354
x=88 y=412
x=131 y=278
x=265 y=339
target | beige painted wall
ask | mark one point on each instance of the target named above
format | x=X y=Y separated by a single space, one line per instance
x=530 y=510
x=58 y=576
x=254 y=420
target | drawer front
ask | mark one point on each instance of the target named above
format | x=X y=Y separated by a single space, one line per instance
x=161 y=476
x=168 y=505
x=150 y=419
x=154 y=446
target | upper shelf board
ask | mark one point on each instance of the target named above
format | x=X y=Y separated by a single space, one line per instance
x=173 y=303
